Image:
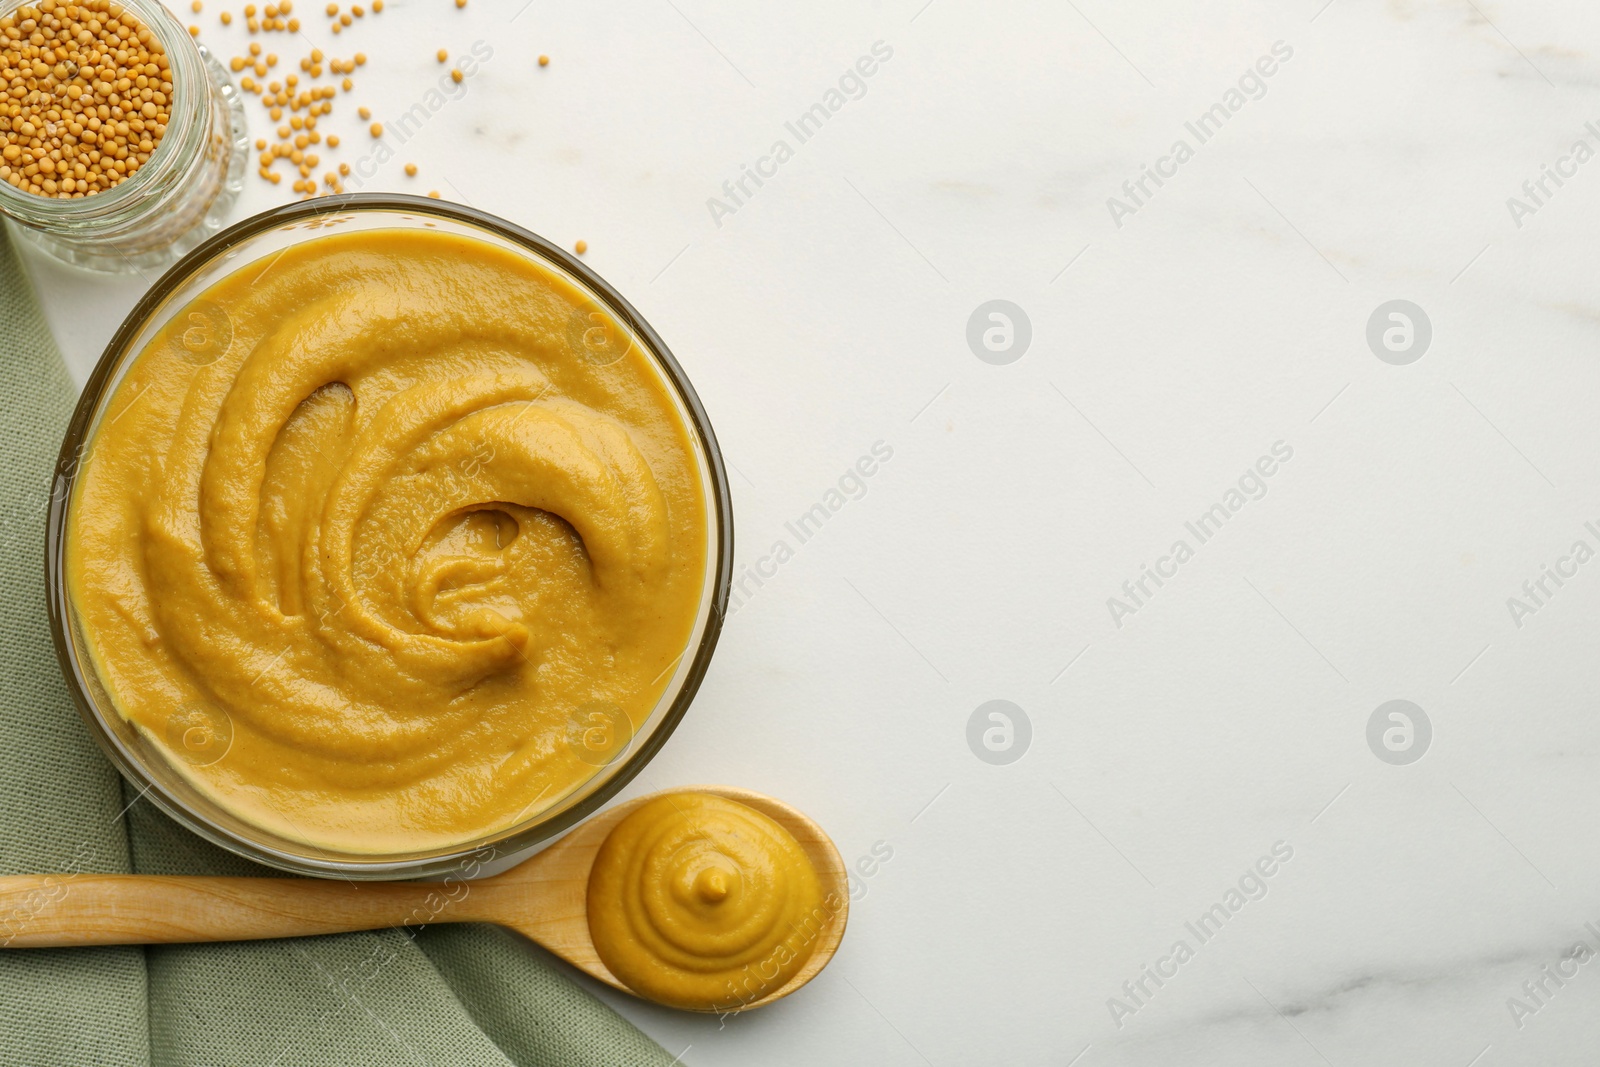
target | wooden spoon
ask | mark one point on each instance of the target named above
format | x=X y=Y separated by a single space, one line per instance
x=543 y=898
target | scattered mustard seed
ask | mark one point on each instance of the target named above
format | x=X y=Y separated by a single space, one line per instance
x=581 y=247
x=544 y=61
x=294 y=110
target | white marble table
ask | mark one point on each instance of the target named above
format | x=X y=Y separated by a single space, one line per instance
x=1176 y=338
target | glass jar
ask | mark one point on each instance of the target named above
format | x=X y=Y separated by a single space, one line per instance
x=178 y=198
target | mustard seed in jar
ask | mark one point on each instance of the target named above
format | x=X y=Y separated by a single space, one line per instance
x=90 y=90
x=94 y=93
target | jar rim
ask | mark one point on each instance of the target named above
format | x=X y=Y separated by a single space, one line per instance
x=185 y=57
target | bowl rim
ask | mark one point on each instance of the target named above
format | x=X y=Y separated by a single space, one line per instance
x=75 y=440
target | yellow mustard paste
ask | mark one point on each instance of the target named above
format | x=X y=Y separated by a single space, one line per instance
x=701 y=902
x=378 y=537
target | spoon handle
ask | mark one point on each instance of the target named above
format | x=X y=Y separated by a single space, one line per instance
x=49 y=911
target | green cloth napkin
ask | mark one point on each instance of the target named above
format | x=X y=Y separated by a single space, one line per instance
x=452 y=994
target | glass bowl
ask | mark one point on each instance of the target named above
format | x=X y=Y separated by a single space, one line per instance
x=147 y=766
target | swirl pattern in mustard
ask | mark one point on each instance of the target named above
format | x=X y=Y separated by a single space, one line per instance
x=367 y=529
x=701 y=902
